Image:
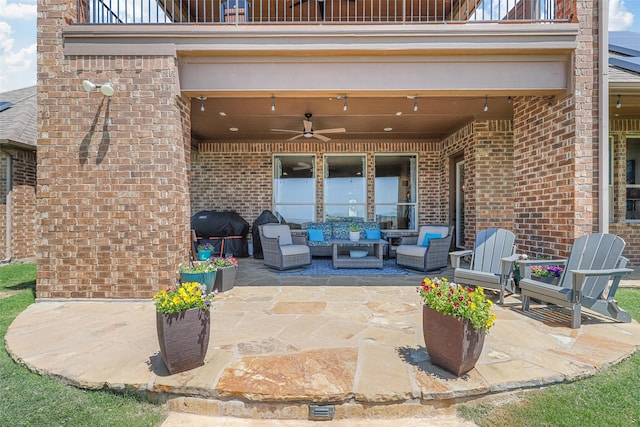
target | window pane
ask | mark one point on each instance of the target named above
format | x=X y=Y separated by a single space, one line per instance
x=294 y=188
x=345 y=188
x=299 y=214
x=395 y=192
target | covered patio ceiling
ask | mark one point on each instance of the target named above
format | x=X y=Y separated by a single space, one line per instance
x=364 y=118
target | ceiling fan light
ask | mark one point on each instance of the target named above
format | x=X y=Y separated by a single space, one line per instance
x=308 y=134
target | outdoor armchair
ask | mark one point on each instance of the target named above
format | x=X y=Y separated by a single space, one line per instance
x=281 y=250
x=428 y=251
x=491 y=264
x=595 y=259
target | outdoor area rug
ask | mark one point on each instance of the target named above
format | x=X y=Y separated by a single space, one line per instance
x=324 y=267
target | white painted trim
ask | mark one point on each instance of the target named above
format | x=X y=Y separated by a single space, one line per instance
x=603 y=106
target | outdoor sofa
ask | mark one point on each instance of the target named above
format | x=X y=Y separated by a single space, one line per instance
x=319 y=234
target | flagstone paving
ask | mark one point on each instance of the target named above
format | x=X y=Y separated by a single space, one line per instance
x=276 y=349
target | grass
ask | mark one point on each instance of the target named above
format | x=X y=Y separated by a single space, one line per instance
x=609 y=398
x=28 y=399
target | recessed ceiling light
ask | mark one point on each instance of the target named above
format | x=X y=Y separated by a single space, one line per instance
x=399 y=113
x=388 y=129
x=223 y=114
x=233 y=129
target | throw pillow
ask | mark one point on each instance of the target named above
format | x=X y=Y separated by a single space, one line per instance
x=429 y=236
x=372 y=234
x=315 y=235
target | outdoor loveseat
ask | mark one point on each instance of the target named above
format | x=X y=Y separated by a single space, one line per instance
x=319 y=234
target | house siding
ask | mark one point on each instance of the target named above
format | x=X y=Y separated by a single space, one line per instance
x=23 y=235
x=118 y=181
x=238 y=176
x=112 y=174
x=630 y=231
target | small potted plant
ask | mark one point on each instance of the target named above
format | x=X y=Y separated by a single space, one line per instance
x=183 y=324
x=455 y=320
x=203 y=272
x=204 y=251
x=354 y=232
x=547 y=273
x=225 y=273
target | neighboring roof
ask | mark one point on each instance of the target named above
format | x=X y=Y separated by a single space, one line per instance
x=18 y=121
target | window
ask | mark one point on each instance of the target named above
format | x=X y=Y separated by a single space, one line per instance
x=395 y=192
x=345 y=188
x=632 y=178
x=294 y=188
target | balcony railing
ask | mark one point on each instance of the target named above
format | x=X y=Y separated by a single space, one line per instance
x=320 y=11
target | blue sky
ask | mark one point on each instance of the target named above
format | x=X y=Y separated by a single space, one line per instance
x=18 y=37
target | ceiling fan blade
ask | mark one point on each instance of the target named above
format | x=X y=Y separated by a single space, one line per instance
x=321 y=137
x=308 y=126
x=297 y=3
x=295 y=137
x=285 y=130
x=334 y=130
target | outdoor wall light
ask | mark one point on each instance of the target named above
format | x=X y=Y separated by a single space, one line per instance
x=486 y=103
x=106 y=88
x=273 y=103
x=619 y=103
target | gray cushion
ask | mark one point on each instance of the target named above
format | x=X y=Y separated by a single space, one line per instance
x=294 y=250
x=442 y=230
x=411 y=250
x=282 y=231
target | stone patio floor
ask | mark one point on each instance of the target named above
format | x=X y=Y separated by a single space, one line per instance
x=280 y=343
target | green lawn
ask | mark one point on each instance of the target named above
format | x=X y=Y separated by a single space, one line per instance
x=609 y=398
x=27 y=399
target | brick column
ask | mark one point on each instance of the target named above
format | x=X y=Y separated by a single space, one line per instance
x=113 y=191
x=556 y=154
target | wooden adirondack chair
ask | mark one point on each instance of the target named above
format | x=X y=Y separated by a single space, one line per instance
x=594 y=260
x=492 y=260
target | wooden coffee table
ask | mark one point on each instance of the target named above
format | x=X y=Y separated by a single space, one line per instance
x=342 y=258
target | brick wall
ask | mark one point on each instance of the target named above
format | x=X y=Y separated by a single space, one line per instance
x=556 y=155
x=238 y=176
x=3 y=205
x=23 y=204
x=487 y=148
x=545 y=176
x=113 y=191
x=629 y=231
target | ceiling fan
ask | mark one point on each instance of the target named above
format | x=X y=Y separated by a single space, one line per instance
x=302 y=166
x=320 y=5
x=308 y=131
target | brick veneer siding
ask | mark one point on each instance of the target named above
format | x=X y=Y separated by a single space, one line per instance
x=23 y=204
x=3 y=205
x=487 y=148
x=556 y=155
x=113 y=186
x=629 y=231
x=238 y=175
